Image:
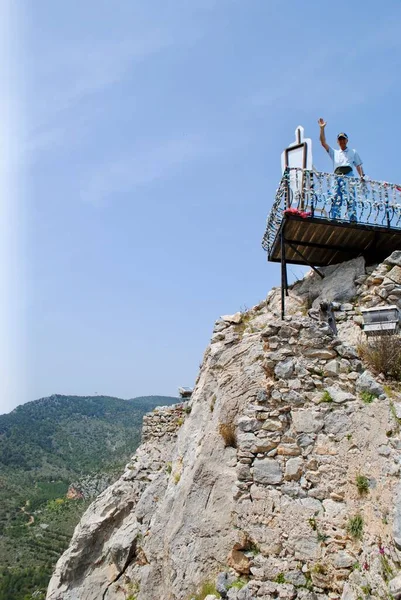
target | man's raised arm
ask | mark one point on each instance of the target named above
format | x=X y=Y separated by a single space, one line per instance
x=322 y=125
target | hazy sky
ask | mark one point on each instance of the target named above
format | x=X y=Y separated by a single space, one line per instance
x=150 y=156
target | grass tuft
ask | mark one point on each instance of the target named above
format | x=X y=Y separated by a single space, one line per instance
x=355 y=527
x=326 y=397
x=227 y=432
x=383 y=355
x=362 y=483
x=368 y=397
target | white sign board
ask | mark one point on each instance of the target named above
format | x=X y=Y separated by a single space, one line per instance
x=297 y=155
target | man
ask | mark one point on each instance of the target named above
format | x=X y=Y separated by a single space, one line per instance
x=344 y=161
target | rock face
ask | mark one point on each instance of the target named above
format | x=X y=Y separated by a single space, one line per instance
x=278 y=479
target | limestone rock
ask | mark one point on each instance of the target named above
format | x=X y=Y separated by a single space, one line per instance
x=394 y=587
x=394 y=258
x=339 y=396
x=307 y=421
x=397 y=518
x=344 y=560
x=320 y=353
x=395 y=274
x=267 y=471
x=293 y=469
x=284 y=369
x=348 y=594
x=239 y=562
x=367 y=383
x=235 y=319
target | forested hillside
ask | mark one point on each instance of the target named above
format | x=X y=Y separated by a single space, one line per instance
x=48 y=448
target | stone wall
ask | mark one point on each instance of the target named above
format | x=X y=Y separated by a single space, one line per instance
x=164 y=421
x=318 y=454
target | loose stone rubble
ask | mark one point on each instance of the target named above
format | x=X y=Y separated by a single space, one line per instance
x=278 y=479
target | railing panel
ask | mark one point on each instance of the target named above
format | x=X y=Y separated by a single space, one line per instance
x=338 y=198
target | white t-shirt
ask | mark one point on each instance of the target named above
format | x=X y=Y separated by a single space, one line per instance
x=344 y=158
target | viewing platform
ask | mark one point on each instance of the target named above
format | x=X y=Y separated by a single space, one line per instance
x=320 y=219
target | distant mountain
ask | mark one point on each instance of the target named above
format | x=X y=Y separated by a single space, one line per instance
x=47 y=446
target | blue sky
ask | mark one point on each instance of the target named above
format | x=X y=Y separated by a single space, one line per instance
x=150 y=156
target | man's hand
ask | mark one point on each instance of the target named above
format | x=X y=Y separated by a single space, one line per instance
x=322 y=125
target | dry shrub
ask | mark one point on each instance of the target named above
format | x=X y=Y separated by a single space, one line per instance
x=383 y=354
x=227 y=432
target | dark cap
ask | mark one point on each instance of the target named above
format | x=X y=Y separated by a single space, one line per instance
x=342 y=135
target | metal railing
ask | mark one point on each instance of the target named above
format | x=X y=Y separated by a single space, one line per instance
x=335 y=197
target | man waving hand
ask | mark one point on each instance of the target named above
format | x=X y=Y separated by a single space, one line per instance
x=344 y=160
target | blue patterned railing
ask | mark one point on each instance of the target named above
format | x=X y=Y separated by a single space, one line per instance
x=328 y=196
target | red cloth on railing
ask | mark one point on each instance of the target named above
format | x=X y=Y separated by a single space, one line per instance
x=298 y=213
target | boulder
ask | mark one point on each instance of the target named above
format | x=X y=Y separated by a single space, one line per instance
x=338 y=284
x=394 y=259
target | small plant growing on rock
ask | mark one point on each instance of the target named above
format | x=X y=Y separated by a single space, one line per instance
x=312 y=523
x=326 y=397
x=386 y=568
x=319 y=569
x=254 y=548
x=355 y=527
x=394 y=414
x=366 y=589
x=207 y=589
x=227 y=432
x=362 y=484
x=169 y=467
x=368 y=397
x=237 y=585
x=322 y=537
x=133 y=589
x=177 y=478
x=280 y=578
x=212 y=403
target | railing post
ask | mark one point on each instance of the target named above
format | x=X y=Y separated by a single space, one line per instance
x=387 y=208
x=287 y=188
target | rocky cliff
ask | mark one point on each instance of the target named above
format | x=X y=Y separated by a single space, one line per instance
x=278 y=479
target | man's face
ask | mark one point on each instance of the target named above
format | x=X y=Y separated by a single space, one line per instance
x=342 y=142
